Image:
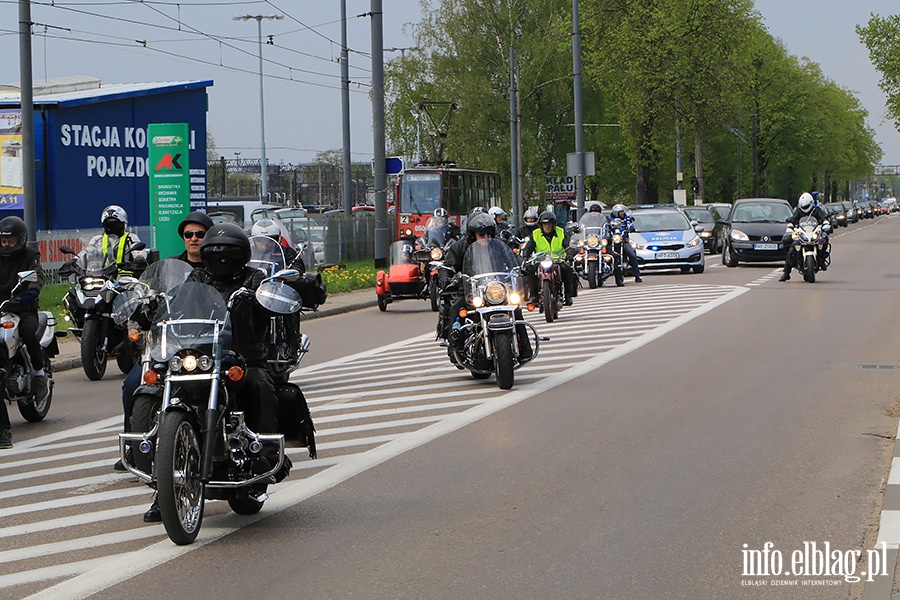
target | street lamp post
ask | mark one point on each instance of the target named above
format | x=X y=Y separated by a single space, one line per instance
x=263 y=165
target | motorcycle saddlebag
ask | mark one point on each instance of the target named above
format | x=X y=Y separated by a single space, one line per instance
x=294 y=420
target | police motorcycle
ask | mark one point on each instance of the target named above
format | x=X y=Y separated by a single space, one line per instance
x=16 y=372
x=485 y=337
x=203 y=446
x=88 y=304
x=810 y=239
x=615 y=238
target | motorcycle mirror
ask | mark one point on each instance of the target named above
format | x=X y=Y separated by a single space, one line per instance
x=29 y=276
x=287 y=275
x=138 y=246
x=66 y=250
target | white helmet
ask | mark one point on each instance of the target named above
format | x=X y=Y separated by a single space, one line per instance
x=617 y=209
x=114 y=211
x=496 y=211
x=806 y=202
x=266 y=227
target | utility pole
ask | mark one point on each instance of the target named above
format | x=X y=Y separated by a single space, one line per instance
x=26 y=98
x=579 y=118
x=381 y=229
x=513 y=138
x=345 y=107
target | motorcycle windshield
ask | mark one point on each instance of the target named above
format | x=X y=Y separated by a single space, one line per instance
x=160 y=277
x=278 y=297
x=592 y=221
x=809 y=222
x=402 y=253
x=266 y=255
x=488 y=255
x=91 y=258
x=194 y=315
x=436 y=231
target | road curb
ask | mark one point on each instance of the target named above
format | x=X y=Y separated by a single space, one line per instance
x=67 y=364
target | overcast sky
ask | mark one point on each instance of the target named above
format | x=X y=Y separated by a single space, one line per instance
x=87 y=37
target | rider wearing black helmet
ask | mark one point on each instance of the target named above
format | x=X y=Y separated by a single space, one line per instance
x=225 y=252
x=621 y=213
x=15 y=257
x=550 y=238
x=479 y=225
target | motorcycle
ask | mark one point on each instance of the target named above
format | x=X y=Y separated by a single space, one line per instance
x=810 y=240
x=407 y=277
x=550 y=282
x=88 y=305
x=16 y=372
x=616 y=236
x=203 y=447
x=486 y=336
x=593 y=261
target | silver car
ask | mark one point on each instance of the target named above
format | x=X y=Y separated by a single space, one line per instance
x=663 y=238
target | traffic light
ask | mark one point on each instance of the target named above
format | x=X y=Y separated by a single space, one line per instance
x=695 y=185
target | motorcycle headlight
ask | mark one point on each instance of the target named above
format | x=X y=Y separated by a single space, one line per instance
x=515 y=298
x=546 y=263
x=694 y=242
x=738 y=235
x=205 y=363
x=593 y=241
x=437 y=254
x=495 y=293
x=477 y=301
x=190 y=362
x=617 y=239
x=175 y=364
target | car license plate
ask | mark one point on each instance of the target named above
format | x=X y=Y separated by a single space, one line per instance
x=765 y=246
x=667 y=255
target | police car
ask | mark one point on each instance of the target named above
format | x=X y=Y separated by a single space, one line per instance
x=664 y=239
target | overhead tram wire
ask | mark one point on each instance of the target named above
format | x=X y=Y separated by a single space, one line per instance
x=209 y=37
x=314 y=30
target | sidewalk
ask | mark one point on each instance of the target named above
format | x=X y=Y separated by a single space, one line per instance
x=70 y=350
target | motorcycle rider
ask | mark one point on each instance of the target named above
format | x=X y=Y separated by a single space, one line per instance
x=440 y=229
x=15 y=257
x=500 y=221
x=806 y=207
x=478 y=227
x=620 y=212
x=550 y=238
x=225 y=252
x=115 y=243
x=273 y=228
x=529 y=223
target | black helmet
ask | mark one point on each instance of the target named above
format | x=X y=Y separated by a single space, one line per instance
x=595 y=207
x=13 y=228
x=481 y=223
x=198 y=217
x=114 y=219
x=547 y=217
x=225 y=251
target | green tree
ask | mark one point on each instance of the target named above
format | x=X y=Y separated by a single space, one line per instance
x=882 y=38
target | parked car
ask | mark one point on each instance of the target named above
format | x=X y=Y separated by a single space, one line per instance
x=664 y=239
x=706 y=221
x=754 y=230
x=305 y=231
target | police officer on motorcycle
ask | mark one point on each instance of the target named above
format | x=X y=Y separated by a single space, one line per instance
x=620 y=212
x=550 y=238
x=806 y=207
x=116 y=243
x=15 y=257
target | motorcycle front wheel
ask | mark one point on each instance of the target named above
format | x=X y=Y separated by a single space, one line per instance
x=593 y=276
x=93 y=356
x=181 y=493
x=809 y=270
x=503 y=359
x=548 y=302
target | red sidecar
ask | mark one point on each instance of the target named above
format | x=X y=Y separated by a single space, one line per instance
x=407 y=277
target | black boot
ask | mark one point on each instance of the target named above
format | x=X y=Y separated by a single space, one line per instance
x=153 y=515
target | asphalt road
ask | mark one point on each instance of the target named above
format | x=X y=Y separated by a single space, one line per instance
x=665 y=430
